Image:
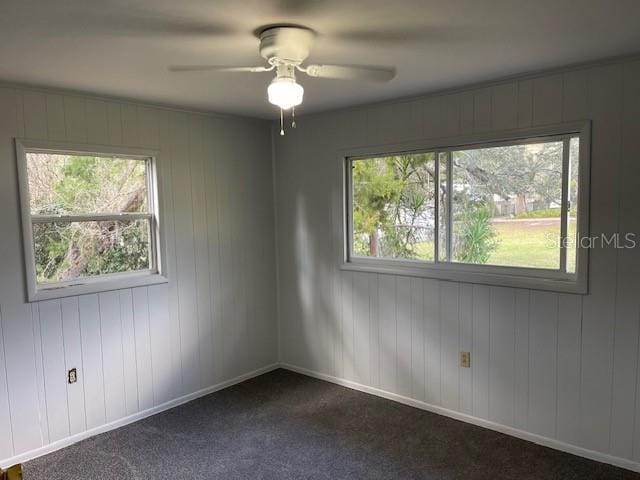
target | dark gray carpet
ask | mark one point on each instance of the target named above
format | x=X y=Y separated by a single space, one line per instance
x=287 y=426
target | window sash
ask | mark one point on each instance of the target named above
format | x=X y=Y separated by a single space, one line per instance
x=122 y=217
x=445 y=268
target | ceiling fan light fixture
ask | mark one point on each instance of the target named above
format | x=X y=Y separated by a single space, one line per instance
x=285 y=93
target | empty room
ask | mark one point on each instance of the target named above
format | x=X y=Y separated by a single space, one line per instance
x=320 y=239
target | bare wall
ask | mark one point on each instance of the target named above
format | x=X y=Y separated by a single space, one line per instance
x=138 y=348
x=560 y=366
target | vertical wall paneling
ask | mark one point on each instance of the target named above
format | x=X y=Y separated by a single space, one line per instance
x=502 y=355
x=569 y=341
x=449 y=341
x=130 y=125
x=521 y=407
x=139 y=303
x=130 y=341
x=417 y=338
x=547 y=100
x=347 y=325
x=135 y=349
x=35 y=115
x=504 y=106
x=598 y=308
x=361 y=320
x=56 y=125
x=114 y=123
x=374 y=330
x=627 y=306
x=482 y=110
x=201 y=251
x=112 y=355
x=211 y=138
x=481 y=348
x=184 y=247
x=94 y=386
x=557 y=365
x=164 y=371
x=73 y=359
x=238 y=326
x=53 y=361
x=543 y=352
x=11 y=125
x=465 y=315
x=432 y=341
x=39 y=369
x=6 y=440
x=97 y=122
x=166 y=161
x=467 y=112
x=525 y=103
x=20 y=368
x=387 y=325
x=75 y=116
x=403 y=372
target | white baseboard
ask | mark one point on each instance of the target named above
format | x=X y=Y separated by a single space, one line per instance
x=538 y=439
x=524 y=435
x=65 y=442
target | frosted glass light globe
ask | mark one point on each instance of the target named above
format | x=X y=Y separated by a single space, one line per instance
x=285 y=93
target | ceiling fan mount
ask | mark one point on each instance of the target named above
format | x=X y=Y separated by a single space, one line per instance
x=285 y=44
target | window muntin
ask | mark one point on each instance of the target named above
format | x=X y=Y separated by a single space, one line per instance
x=92 y=217
x=479 y=188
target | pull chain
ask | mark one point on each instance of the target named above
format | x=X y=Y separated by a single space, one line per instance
x=293 y=117
x=281 y=123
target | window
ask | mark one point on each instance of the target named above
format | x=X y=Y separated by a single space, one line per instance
x=508 y=211
x=90 y=220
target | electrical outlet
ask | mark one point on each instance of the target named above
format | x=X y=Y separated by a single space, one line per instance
x=73 y=375
x=465 y=359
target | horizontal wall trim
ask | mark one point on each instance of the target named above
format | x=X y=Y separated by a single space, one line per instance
x=52 y=447
x=514 y=432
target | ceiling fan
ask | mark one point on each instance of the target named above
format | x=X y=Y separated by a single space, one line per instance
x=285 y=48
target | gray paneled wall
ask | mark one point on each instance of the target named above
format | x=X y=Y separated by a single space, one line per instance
x=561 y=366
x=139 y=348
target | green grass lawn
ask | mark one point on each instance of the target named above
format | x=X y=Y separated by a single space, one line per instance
x=528 y=243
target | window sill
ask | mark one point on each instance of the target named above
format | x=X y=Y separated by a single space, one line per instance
x=96 y=285
x=497 y=276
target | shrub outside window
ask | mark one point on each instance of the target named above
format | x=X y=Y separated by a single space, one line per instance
x=90 y=219
x=510 y=211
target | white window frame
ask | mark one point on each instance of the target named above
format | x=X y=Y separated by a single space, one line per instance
x=98 y=283
x=524 y=277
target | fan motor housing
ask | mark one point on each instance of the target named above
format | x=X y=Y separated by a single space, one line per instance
x=291 y=44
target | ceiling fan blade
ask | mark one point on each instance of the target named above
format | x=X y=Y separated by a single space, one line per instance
x=351 y=72
x=408 y=35
x=217 y=68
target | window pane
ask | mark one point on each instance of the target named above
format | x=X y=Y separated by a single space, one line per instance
x=393 y=206
x=443 y=207
x=572 y=227
x=69 y=250
x=75 y=184
x=506 y=205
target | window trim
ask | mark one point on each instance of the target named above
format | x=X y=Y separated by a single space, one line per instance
x=523 y=277
x=98 y=283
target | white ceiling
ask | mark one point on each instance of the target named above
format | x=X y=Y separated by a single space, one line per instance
x=122 y=47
